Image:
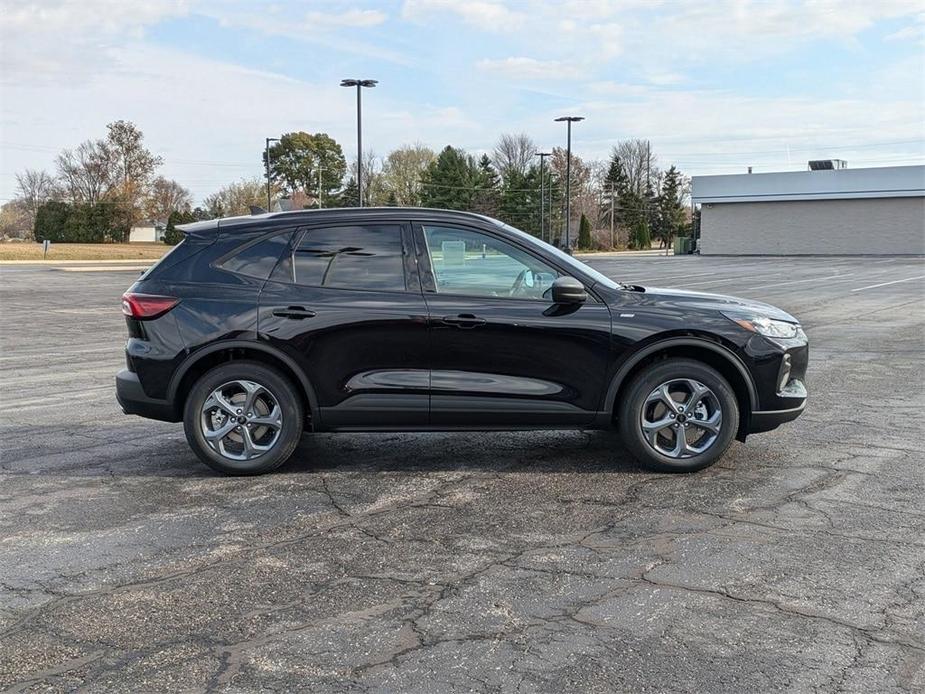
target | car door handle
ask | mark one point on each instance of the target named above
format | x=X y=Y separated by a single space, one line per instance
x=294 y=312
x=463 y=320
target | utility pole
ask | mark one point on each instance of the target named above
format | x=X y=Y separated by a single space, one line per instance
x=359 y=84
x=542 y=156
x=267 y=156
x=568 y=179
x=320 y=169
x=611 y=214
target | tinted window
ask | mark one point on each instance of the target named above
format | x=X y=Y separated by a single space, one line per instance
x=475 y=264
x=355 y=257
x=257 y=259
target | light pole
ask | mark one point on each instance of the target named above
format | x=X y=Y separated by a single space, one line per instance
x=542 y=156
x=568 y=179
x=267 y=154
x=359 y=84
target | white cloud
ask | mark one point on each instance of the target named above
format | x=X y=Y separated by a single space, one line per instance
x=77 y=16
x=530 y=68
x=486 y=15
x=915 y=31
x=349 y=18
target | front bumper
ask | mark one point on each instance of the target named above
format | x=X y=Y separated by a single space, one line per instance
x=132 y=399
x=765 y=420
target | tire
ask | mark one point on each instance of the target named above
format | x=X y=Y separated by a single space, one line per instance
x=700 y=444
x=270 y=438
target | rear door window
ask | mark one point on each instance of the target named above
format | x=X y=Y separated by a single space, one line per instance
x=351 y=257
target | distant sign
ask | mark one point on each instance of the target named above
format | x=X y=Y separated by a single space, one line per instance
x=454 y=252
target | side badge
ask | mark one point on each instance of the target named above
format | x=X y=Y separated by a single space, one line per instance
x=627 y=315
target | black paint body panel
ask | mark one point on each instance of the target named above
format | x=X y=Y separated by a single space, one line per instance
x=381 y=360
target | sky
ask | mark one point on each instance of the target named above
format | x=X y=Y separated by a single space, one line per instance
x=716 y=85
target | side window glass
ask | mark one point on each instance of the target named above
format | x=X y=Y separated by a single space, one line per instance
x=351 y=257
x=475 y=264
x=257 y=259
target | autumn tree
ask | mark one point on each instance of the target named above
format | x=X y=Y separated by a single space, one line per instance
x=236 y=198
x=402 y=171
x=166 y=196
x=131 y=167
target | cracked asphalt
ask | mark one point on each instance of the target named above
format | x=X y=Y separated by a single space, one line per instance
x=470 y=562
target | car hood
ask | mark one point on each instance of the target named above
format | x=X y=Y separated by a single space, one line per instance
x=714 y=302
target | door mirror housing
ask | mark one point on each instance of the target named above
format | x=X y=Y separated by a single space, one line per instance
x=568 y=290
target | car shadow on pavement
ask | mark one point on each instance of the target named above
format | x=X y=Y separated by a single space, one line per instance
x=85 y=451
x=534 y=451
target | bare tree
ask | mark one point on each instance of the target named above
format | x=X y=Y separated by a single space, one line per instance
x=513 y=154
x=236 y=198
x=638 y=164
x=166 y=196
x=35 y=188
x=86 y=172
x=372 y=178
x=402 y=171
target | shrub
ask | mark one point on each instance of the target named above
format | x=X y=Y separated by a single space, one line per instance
x=584 y=233
x=172 y=235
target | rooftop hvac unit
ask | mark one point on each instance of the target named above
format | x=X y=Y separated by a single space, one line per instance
x=827 y=164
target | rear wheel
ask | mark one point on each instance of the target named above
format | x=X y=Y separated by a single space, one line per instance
x=243 y=418
x=678 y=415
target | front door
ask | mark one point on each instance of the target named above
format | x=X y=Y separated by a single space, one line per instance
x=501 y=353
x=346 y=303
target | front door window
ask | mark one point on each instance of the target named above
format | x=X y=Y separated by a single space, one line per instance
x=469 y=263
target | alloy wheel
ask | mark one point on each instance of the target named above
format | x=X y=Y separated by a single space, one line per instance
x=681 y=418
x=241 y=420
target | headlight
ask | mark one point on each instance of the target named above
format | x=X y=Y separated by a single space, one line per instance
x=764 y=325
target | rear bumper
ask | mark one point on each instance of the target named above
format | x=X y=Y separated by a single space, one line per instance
x=132 y=399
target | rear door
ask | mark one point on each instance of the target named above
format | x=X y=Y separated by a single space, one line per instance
x=346 y=303
x=501 y=352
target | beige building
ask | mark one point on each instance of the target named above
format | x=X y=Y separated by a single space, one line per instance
x=832 y=211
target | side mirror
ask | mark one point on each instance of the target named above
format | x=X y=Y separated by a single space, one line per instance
x=568 y=290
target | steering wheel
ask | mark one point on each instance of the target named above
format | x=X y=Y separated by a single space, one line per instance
x=518 y=283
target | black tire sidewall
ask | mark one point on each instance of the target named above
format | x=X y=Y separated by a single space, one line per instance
x=649 y=379
x=271 y=379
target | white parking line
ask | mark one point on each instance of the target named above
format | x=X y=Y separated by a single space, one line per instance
x=788 y=282
x=883 y=284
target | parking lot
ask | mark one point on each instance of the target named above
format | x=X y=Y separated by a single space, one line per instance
x=542 y=561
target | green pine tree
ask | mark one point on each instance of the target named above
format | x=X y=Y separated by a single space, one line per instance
x=486 y=199
x=450 y=181
x=584 y=233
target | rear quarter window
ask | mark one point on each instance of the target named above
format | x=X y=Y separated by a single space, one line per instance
x=257 y=258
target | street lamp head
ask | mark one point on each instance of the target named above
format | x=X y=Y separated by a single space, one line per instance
x=571 y=119
x=542 y=154
x=359 y=83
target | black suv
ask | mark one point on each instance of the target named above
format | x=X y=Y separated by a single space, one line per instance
x=254 y=329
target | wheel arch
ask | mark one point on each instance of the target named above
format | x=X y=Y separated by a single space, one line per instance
x=701 y=349
x=200 y=361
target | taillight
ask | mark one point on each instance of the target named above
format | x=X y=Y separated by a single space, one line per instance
x=146 y=306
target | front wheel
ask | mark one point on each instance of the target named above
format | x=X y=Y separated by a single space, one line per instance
x=243 y=418
x=678 y=415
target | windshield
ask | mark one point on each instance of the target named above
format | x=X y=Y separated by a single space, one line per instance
x=563 y=257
